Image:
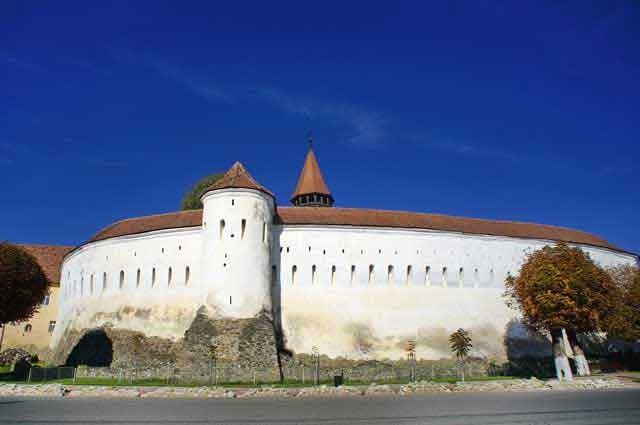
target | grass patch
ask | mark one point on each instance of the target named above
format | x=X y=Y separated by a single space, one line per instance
x=158 y=382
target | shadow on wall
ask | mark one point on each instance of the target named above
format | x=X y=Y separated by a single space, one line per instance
x=528 y=352
x=94 y=349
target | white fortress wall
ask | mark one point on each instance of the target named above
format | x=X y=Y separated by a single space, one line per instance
x=162 y=301
x=424 y=284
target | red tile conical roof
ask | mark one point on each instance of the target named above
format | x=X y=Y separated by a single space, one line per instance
x=311 y=180
x=238 y=177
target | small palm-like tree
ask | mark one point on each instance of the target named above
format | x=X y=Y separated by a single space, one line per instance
x=460 y=343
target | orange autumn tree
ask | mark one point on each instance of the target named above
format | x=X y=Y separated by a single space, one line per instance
x=625 y=323
x=561 y=288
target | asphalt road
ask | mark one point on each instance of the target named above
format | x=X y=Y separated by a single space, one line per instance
x=598 y=407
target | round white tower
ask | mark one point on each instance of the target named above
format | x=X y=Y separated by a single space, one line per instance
x=236 y=265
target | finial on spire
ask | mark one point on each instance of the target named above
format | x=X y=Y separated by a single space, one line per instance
x=310 y=139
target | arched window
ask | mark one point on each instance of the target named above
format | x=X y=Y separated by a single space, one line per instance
x=333 y=275
x=121 y=285
x=187 y=275
x=169 y=276
x=390 y=275
x=409 y=270
x=313 y=274
x=371 y=276
x=444 y=277
x=104 y=281
x=353 y=274
x=294 y=270
x=222 y=224
x=461 y=276
x=153 y=276
x=427 y=276
x=138 y=278
x=28 y=327
x=243 y=227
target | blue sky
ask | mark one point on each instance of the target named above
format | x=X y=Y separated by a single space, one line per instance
x=509 y=110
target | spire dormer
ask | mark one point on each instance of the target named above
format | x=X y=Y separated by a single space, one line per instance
x=311 y=190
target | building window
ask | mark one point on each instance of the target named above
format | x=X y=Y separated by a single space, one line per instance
x=121 y=279
x=52 y=326
x=104 y=281
x=409 y=269
x=371 y=277
x=138 y=278
x=294 y=270
x=461 y=276
x=91 y=284
x=390 y=275
x=264 y=231
x=243 y=227
x=491 y=277
x=28 y=327
x=427 y=277
x=353 y=274
x=444 y=276
x=153 y=276
x=187 y=275
x=333 y=275
x=476 y=277
x=81 y=285
x=222 y=224
x=313 y=274
x=46 y=299
x=169 y=276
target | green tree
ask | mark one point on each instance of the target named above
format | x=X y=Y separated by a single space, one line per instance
x=23 y=284
x=561 y=291
x=191 y=200
x=460 y=343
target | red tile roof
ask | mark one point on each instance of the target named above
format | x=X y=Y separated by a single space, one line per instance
x=311 y=179
x=49 y=257
x=238 y=177
x=368 y=218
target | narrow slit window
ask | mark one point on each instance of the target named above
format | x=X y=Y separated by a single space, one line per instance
x=313 y=274
x=294 y=270
x=427 y=276
x=444 y=276
x=243 y=228
x=333 y=275
x=274 y=276
x=121 y=285
x=138 y=278
x=353 y=274
x=169 y=276
x=390 y=275
x=81 y=285
x=222 y=224
x=371 y=274
x=264 y=231
x=104 y=281
x=91 y=285
x=409 y=270
x=461 y=276
x=187 y=275
x=153 y=277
